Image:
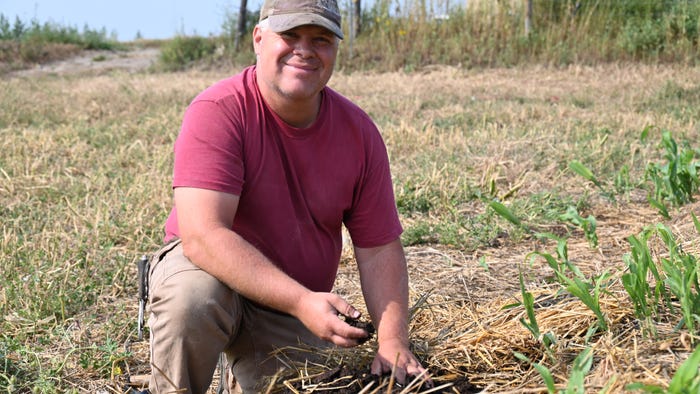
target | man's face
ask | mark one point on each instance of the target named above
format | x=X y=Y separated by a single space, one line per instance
x=295 y=64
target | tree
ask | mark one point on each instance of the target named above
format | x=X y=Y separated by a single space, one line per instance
x=241 y=30
x=357 y=17
x=528 y=17
x=19 y=28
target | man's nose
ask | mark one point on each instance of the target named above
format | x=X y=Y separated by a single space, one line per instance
x=303 y=47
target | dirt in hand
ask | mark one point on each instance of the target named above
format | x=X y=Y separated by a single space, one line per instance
x=359 y=323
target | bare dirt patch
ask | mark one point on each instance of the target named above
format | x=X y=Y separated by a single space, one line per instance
x=95 y=62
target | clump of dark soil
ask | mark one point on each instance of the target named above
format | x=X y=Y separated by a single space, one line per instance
x=365 y=325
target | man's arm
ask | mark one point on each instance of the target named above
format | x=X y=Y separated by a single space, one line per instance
x=205 y=218
x=384 y=279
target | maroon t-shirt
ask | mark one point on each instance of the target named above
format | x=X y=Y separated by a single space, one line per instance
x=296 y=186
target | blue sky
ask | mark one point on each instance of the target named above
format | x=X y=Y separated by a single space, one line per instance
x=152 y=18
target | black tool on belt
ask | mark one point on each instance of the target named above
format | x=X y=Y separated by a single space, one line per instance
x=143 y=267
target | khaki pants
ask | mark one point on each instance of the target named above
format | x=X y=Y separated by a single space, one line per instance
x=194 y=317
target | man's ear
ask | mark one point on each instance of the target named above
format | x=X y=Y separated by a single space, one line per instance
x=257 y=39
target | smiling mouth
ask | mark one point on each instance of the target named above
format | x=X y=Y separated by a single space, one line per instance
x=302 y=66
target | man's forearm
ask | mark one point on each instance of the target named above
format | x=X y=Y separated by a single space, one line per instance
x=235 y=262
x=385 y=287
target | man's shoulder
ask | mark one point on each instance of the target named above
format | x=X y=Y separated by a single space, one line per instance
x=340 y=103
x=237 y=85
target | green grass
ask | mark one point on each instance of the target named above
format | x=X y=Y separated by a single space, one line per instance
x=86 y=165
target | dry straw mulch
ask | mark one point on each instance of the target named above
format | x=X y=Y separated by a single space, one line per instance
x=466 y=336
x=462 y=329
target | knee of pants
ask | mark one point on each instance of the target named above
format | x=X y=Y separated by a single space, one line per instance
x=192 y=300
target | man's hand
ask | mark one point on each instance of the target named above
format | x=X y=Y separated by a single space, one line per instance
x=384 y=279
x=319 y=313
x=396 y=351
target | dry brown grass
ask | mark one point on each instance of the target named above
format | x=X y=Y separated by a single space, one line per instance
x=91 y=155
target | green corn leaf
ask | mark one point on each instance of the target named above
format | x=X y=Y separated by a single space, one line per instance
x=686 y=375
x=504 y=212
x=529 y=304
x=544 y=372
x=661 y=207
x=582 y=170
x=647 y=388
x=582 y=364
x=645 y=133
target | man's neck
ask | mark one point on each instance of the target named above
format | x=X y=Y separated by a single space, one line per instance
x=295 y=112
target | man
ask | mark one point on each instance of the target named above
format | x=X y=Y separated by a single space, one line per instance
x=268 y=165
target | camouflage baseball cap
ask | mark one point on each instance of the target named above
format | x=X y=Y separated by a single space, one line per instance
x=283 y=15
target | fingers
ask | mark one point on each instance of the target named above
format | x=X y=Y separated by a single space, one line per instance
x=328 y=326
x=346 y=335
x=405 y=368
x=344 y=308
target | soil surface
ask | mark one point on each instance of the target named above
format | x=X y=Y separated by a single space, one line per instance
x=347 y=380
x=95 y=61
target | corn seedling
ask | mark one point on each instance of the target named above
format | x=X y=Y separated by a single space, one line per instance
x=638 y=280
x=586 y=173
x=622 y=181
x=681 y=270
x=582 y=365
x=588 y=225
x=579 y=370
x=678 y=278
x=696 y=222
x=675 y=181
x=531 y=323
x=686 y=380
x=578 y=286
x=543 y=371
x=506 y=213
x=561 y=263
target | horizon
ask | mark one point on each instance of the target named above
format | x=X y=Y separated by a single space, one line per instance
x=130 y=19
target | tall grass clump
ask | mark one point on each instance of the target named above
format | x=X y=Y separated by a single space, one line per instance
x=34 y=42
x=406 y=35
x=183 y=51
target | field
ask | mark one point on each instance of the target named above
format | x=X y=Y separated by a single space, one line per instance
x=85 y=167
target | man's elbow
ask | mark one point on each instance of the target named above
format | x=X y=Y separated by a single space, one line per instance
x=193 y=246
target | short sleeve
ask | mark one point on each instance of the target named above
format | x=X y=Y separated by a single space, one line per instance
x=208 y=150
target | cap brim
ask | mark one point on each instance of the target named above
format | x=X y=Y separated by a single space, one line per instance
x=283 y=22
